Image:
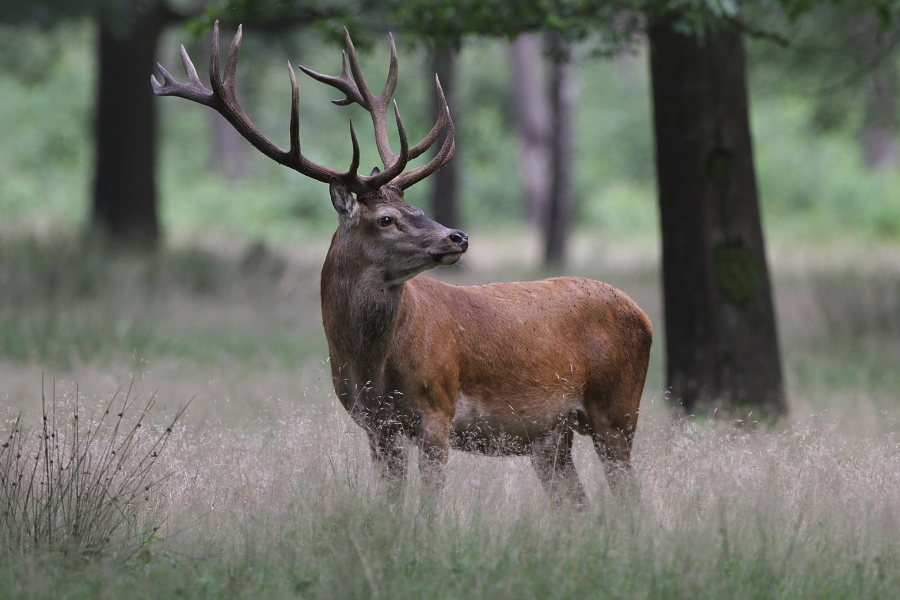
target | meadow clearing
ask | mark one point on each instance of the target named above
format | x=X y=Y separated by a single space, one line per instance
x=265 y=488
x=266 y=485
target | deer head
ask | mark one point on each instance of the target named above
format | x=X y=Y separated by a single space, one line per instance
x=375 y=221
x=381 y=231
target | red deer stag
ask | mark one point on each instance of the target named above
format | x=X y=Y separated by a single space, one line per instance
x=507 y=368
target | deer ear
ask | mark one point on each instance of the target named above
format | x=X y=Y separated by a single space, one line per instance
x=375 y=171
x=344 y=202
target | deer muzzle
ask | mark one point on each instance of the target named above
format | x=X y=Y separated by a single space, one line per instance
x=458 y=242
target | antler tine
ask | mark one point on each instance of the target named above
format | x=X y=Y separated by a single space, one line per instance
x=376 y=105
x=189 y=68
x=414 y=176
x=295 y=115
x=349 y=178
x=231 y=62
x=354 y=164
x=343 y=83
x=214 y=79
x=395 y=168
x=363 y=88
x=193 y=90
x=439 y=125
x=393 y=70
x=227 y=105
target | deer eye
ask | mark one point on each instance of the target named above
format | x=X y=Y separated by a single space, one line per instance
x=385 y=221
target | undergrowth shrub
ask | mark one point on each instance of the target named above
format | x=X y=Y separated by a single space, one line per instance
x=83 y=481
x=65 y=302
x=859 y=305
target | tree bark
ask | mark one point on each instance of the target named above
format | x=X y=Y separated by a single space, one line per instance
x=880 y=148
x=445 y=182
x=879 y=136
x=560 y=211
x=721 y=342
x=229 y=148
x=531 y=104
x=124 y=201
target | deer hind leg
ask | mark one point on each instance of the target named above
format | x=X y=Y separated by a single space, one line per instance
x=613 y=441
x=552 y=460
x=612 y=420
x=614 y=447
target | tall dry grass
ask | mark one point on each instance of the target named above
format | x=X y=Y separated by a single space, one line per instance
x=277 y=498
x=84 y=480
x=292 y=508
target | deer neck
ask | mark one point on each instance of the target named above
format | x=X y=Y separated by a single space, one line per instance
x=360 y=313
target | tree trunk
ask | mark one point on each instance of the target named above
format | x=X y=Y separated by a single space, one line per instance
x=533 y=123
x=124 y=204
x=562 y=101
x=879 y=137
x=229 y=148
x=721 y=342
x=445 y=182
x=878 y=140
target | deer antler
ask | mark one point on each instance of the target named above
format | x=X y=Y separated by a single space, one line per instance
x=222 y=98
x=357 y=90
x=409 y=178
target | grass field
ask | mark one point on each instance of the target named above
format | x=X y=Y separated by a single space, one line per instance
x=268 y=489
x=265 y=489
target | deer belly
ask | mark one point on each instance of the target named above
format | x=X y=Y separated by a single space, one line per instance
x=502 y=426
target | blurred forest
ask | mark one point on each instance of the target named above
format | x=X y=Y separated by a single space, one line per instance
x=813 y=107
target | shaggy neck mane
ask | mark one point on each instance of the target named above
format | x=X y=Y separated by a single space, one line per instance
x=359 y=311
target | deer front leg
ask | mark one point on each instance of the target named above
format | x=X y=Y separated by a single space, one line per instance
x=387 y=453
x=433 y=437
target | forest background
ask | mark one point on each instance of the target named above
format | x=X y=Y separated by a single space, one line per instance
x=226 y=311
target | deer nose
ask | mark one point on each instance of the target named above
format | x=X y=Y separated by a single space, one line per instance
x=460 y=239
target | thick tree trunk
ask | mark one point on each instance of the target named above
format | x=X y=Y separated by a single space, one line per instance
x=721 y=341
x=532 y=114
x=124 y=203
x=445 y=182
x=560 y=212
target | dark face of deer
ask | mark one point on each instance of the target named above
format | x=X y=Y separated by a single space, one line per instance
x=396 y=238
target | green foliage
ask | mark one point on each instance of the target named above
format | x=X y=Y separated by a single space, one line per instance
x=327 y=16
x=66 y=303
x=887 y=10
x=45 y=161
x=573 y=19
x=813 y=182
x=118 y=15
x=812 y=179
